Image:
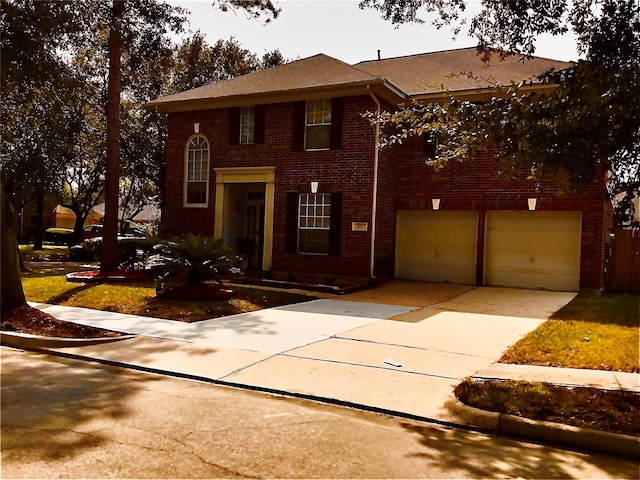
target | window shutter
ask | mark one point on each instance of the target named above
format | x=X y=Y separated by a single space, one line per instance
x=234 y=125
x=299 y=112
x=259 y=131
x=291 y=231
x=336 y=123
x=335 y=232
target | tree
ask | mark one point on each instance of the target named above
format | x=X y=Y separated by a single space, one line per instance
x=11 y=293
x=589 y=124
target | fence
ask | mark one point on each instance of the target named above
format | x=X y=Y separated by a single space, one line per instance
x=624 y=262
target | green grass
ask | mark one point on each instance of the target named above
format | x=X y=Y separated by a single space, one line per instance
x=592 y=331
x=140 y=299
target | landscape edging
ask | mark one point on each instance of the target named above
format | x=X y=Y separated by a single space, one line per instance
x=30 y=341
x=549 y=432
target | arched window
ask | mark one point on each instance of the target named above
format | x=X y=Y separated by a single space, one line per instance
x=196 y=188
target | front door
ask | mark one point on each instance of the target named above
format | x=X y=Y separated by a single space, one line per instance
x=255 y=226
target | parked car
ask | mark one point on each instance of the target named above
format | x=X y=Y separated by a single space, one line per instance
x=92 y=231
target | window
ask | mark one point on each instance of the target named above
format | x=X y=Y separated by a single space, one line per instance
x=432 y=140
x=318 y=125
x=314 y=223
x=247 y=125
x=197 y=172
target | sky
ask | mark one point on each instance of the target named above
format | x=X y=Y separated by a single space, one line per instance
x=340 y=29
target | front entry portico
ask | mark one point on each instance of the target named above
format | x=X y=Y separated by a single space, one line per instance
x=228 y=183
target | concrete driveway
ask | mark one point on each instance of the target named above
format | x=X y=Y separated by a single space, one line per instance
x=401 y=347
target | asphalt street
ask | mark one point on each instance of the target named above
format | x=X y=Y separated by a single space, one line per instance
x=65 y=418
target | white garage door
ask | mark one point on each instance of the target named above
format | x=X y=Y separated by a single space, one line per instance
x=538 y=250
x=437 y=246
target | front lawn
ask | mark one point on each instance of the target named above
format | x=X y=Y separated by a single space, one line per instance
x=140 y=298
x=592 y=331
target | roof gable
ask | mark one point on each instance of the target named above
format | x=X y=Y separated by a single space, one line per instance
x=316 y=72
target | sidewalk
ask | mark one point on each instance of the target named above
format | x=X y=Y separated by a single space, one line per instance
x=394 y=359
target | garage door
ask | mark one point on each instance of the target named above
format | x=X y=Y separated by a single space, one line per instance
x=538 y=250
x=437 y=246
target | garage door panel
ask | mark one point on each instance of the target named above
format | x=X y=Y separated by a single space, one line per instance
x=538 y=250
x=436 y=246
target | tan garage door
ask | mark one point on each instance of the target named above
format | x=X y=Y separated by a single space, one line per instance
x=538 y=250
x=437 y=246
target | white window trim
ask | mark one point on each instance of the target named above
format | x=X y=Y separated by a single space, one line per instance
x=314 y=228
x=307 y=125
x=186 y=173
x=253 y=118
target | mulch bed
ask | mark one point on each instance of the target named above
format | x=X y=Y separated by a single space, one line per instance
x=26 y=319
x=606 y=410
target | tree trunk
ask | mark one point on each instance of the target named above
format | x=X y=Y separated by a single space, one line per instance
x=39 y=233
x=11 y=293
x=109 y=250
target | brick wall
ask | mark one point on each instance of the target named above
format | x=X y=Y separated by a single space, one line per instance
x=476 y=185
x=404 y=182
x=347 y=171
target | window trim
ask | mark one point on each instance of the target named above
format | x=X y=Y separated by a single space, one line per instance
x=186 y=181
x=322 y=217
x=251 y=115
x=308 y=125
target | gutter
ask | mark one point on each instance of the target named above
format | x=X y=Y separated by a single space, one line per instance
x=374 y=206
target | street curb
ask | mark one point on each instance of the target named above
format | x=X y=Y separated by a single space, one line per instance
x=466 y=416
x=29 y=341
x=550 y=433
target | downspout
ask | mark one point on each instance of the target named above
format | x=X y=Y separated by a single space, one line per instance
x=374 y=206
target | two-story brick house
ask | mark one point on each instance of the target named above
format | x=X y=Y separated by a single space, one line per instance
x=285 y=158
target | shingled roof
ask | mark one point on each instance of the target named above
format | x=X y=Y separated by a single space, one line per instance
x=456 y=70
x=394 y=79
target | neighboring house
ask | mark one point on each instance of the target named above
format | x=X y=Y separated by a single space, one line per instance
x=285 y=158
x=65 y=218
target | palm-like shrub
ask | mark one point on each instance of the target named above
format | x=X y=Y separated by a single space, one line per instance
x=200 y=257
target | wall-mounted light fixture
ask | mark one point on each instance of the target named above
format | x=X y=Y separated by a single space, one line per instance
x=196 y=128
x=531 y=203
x=314 y=187
x=435 y=203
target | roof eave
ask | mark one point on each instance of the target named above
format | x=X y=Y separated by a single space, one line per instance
x=478 y=94
x=381 y=87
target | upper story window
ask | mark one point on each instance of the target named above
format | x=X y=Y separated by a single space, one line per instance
x=247 y=125
x=318 y=125
x=196 y=186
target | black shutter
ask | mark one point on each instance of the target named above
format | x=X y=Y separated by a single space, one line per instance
x=234 y=125
x=291 y=231
x=335 y=228
x=336 y=123
x=299 y=112
x=259 y=132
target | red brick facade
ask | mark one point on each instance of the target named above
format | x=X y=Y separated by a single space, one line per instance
x=404 y=182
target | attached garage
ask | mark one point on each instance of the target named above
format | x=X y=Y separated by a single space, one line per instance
x=536 y=250
x=436 y=246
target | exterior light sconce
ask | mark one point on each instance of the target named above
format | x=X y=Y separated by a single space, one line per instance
x=196 y=128
x=531 y=203
x=314 y=187
x=435 y=203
